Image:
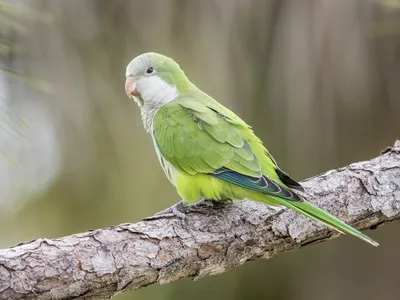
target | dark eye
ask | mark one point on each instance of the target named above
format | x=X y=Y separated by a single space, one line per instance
x=150 y=70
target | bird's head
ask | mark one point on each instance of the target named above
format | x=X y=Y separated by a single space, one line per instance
x=153 y=80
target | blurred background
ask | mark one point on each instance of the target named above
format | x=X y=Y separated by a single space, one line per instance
x=318 y=80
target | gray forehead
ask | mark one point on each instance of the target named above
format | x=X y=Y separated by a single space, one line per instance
x=137 y=65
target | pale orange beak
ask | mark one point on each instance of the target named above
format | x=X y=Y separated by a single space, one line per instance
x=130 y=87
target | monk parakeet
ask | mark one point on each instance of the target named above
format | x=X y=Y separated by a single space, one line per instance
x=206 y=150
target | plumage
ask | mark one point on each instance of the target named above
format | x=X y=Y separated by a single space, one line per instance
x=205 y=149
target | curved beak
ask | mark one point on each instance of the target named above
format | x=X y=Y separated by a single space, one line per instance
x=130 y=87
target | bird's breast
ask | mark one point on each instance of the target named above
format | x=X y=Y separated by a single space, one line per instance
x=170 y=171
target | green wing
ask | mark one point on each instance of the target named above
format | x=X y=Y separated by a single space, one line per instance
x=268 y=164
x=197 y=138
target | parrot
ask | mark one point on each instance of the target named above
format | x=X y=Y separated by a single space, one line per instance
x=206 y=150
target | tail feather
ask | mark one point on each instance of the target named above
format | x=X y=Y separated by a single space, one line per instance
x=313 y=212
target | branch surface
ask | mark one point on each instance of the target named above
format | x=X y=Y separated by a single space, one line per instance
x=101 y=263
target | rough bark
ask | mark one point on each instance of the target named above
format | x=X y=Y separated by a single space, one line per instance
x=102 y=263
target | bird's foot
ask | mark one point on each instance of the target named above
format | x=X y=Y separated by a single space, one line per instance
x=204 y=205
x=178 y=210
x=174 y=210
x=181 y=209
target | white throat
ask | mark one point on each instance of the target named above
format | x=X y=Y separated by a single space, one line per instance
x=155 y=93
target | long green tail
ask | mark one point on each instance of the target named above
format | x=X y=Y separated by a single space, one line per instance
x=313 y=212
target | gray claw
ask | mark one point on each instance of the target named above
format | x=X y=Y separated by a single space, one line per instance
x=180 y=210
x=177 y=210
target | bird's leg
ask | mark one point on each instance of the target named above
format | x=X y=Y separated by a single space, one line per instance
x=181 y=209
x=207 y=204
x=174 y=210
x=178 y=210
x=200 y=203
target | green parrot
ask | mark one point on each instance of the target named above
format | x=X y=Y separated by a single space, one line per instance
x=206 y=150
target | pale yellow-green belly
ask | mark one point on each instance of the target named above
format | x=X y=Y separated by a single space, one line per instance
x=193 y=188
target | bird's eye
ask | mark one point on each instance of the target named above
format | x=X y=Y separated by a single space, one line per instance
x=150 y=70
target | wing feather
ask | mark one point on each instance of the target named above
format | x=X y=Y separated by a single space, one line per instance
x=198 y=139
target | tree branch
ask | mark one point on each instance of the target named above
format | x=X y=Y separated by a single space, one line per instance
x=104 y=262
